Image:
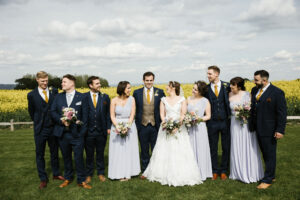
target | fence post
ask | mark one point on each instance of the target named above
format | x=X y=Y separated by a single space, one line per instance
x=12 y=125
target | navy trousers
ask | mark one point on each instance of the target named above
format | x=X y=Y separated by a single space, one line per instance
x=95 y=142
x=40 y=146
x=68 y=143
x=268 y=148
x=214 y=129
x=147 y=138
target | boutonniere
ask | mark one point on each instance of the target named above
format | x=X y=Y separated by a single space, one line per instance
x=156 y=93
x=269 y=99
x=50 y=89
x=101 y=94
x=225 y=84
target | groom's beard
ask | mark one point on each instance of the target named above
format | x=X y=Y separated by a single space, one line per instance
x=259 y=86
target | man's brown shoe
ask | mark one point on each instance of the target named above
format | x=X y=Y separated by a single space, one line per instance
x=85 y=185
x=223 y=176
x=88 y=179
x=142 y=177
x=65 y=184
x=102 y=178
x=59 y=178
x=43 y=184
x=273 y=180
x=263 y=186
x=215 y=176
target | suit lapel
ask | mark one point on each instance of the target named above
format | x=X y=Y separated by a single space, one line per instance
x=141 y=97
x=74 y=99
x=266 y=94
x=64 y=100
x=99 y=102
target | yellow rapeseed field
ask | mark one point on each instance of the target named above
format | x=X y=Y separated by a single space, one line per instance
x=13 y=100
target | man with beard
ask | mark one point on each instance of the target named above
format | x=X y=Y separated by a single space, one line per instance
x=268 y=119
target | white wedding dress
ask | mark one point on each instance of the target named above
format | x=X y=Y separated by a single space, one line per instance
x=173 y=161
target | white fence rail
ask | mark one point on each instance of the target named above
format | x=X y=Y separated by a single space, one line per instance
x=12 y=123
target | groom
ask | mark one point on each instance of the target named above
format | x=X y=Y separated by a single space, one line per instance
x=268 y=119
x=219 y=122
x=147 y=116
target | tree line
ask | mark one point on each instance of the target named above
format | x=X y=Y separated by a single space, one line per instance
x=28 y=81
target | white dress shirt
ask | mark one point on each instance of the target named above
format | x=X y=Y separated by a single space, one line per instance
x=42 y=94
x=92 y=96
x=263 y=90
x=212 y=86
x=151 y=92
x=70 y=97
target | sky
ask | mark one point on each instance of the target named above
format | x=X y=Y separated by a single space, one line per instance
x=175 y=39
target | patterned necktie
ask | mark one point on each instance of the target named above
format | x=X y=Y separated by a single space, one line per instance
x=94 y=100
x=216 y=91
x=46 y=97
x=259 y=94
x=148 y=96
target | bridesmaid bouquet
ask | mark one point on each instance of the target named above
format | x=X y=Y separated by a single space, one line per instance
x=242 y=112
x=124 y=128
x=191 y=119
x=170 y=126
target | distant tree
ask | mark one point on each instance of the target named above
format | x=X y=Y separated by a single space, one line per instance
x=26 y=82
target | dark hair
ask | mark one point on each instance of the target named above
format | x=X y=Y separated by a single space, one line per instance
x=239 y=82
x=148 y=74
x=202 y=87
x=91 y=79
x=176 y=85
x=121 y=87
x=215 y=68
x=262 y=73
x=70 y=77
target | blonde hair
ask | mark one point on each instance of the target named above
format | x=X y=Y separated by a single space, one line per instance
x=41 y=74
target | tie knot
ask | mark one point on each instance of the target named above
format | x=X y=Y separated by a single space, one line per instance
x=44 y=91
x=94 y=95
x=216 y=86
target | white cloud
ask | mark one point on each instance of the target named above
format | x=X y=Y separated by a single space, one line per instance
x=13 y=57
x=267 y=14
x=126 y=71
x=283 y=55
x=198 y=65
x=247 y=36
x=188 y=35
x=116 y=50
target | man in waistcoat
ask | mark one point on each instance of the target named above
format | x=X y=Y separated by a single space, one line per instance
x=39 y=103
x=147 y=118
x=220 y=121
x=268 y=120
x=98 y=126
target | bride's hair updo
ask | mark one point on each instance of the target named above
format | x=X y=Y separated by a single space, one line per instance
x=175 y=85
x=239 y=82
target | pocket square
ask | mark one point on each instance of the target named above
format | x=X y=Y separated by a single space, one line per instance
x=78 y=103
x=104 y=102
x=269 y=100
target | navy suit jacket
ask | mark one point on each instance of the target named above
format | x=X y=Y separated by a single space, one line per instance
x=39 y=110
x=225 y=91
x=138 y=96
x=100 y=119
x=269 y=113
x=59 y=103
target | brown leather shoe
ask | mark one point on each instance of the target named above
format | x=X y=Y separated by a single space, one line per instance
x=273 y=180
x=263 y=186
x=142 y=177
x=223 y=176
x=215 y=176
x=88 y=179
x=43 y=184
x=65 y=184
x=102 y=178
x=59 y=178
x=85 y=185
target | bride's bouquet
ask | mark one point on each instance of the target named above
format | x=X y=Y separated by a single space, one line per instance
x=191 y=119
x=170 y=126
x=123 y=128
x=242 y=112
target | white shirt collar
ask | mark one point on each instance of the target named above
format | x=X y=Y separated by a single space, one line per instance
x=92 y=93
x=218 y=84
x=145 y=89
x=266 y=87
x=71 y=93
x=41 y=90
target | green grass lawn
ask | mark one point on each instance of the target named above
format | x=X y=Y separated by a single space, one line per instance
x=19 y=179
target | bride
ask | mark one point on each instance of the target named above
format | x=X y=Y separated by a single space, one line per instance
x=173 y=162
